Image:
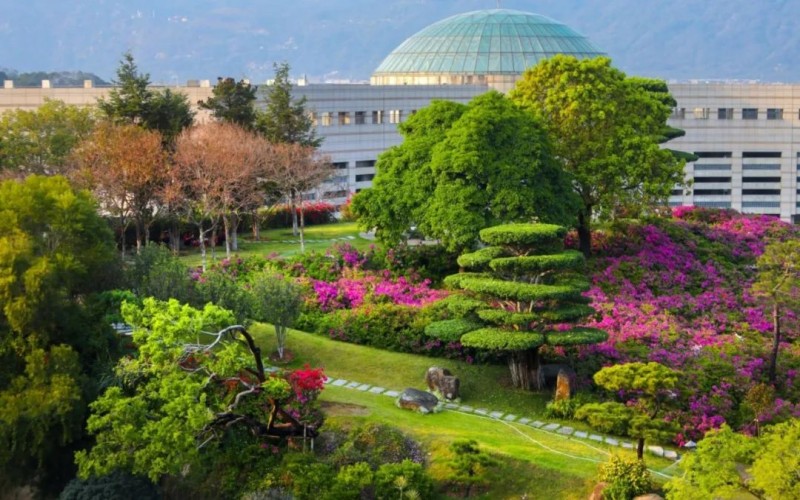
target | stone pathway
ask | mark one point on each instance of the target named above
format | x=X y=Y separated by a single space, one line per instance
x=511 y=418
x=343 y=238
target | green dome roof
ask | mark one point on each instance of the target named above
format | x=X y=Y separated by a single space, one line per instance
x=485 y=42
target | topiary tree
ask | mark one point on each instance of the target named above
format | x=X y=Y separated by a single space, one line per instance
x=523 y=292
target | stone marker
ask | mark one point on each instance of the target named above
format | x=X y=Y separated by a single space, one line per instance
x=416 y=400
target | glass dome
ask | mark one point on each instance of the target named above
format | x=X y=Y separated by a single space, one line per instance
x=480 y=44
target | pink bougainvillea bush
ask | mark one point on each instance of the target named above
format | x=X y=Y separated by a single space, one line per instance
x=676 y=291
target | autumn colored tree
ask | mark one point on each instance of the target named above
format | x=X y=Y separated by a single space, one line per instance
x=295 y=169
x=778 y=282
x=126 y=168
x=217 y=174
x=40 y=141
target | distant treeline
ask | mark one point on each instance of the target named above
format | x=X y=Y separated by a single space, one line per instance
x=57 y=78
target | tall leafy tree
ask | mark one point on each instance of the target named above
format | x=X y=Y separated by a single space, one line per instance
x=520 y=287
x=132 y=101
x=461 y=169
x=126 y=167
x=605 y=130
x=39 y=141
x=233 y=102
x=778 y=283
x=285 y=118
x=55 y=252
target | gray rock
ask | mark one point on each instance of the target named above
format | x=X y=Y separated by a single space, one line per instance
x=416 y=400
x=672 y=455
x=551 y=427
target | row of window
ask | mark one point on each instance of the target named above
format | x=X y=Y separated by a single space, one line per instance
x=328 y=118
x=745 y=154
x=359 y=164
x=727 y=113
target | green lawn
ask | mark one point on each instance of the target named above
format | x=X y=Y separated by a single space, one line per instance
x=283 y=243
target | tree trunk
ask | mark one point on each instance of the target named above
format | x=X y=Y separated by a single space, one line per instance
x=226 y=225
x=202 y=236
x=640 y=449
x=138 y=225
x=174 y=237
x=585 y=231
x=776 y=342
x=256 y=226
x=213 y=241
x=293 y=208
x=235 y=220
x=524 y=366
x=302 y=229
x=124 y=228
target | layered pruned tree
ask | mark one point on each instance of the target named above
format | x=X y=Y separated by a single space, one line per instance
x=645 y=392
x=778 y=284
x=463 y=168
x=56 y=253
x=233 y=102
x=523 y=292
x=197 y=381
x=132 y=101
x=40 y=141
x=125 y=166
x=605 y=130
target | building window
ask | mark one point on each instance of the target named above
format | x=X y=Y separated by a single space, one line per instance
x=762 y=166
x=364 y=177
x=676 y=192
x=313 y=117
x=309 y=196
x=344 y=118
x=712 y=192
x=326 y=120
x=698 y=180
x=338 y=179
x=361 y=117
x=761 y=154
x=725 y=113
x=749 y=113
x=713 y=154
x=760 y=179
x=339 y=164
x=712 y=166
x=678 y=113
x=395 y=116
x=774 y=114
x=761 y=204
x=702 y=113
x=377 y=117
x=775 y=192
x=335 y=194
x=713 y=204
x=365 y=163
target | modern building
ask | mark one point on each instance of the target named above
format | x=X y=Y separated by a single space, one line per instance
x=746 y=135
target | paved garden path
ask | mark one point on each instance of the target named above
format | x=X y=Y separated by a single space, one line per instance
x=510 y=418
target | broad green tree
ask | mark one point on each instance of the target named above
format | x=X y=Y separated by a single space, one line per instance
x=778 y=282
x=233 y=102
x=648 y=390
x=40 y=141
x=605 y=130
x=285 y=118
x=474 y=167
x=55 y=252
x=469 y=464
x=523 y=289
x=276 y=301
x=132 y=101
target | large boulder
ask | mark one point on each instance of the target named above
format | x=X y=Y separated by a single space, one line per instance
x=564 y=386
x=416 y=400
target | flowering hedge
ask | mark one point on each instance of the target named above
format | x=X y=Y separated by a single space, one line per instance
x=675 y=291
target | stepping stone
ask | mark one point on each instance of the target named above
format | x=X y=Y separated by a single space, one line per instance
x=536 y=424
x=328 y=381
x=596 y=437
x=656 y=450
x=451 y=406
x=523 y=421
x=496 y=414
x=466 y=408
x=581 y=434
x=612 y=441
x=350 y=237
x=551 y=427
x=672 y=455
x=363 y=387
x=510 y=418
x=391 y=394
x=377 y=390
x=567 y=431
x=353 y=385
x=482 y=411
x=627 y=446
x=339 y=383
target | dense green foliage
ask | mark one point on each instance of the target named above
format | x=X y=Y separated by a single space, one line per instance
x=626 y=478
x=605 y=130
x=232 y=102
x=277 y=301
x=39 y=141
x=520 y=287
x=461 y=169
x=285 y=120
x=55 y=252
x=116 y=486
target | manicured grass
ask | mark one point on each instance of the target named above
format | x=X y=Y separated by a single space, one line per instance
x=481 y=385
x=532 y=461
x=283 y=243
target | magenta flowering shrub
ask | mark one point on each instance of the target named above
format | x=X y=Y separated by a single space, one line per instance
x=677 y=292
x=350 y=293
